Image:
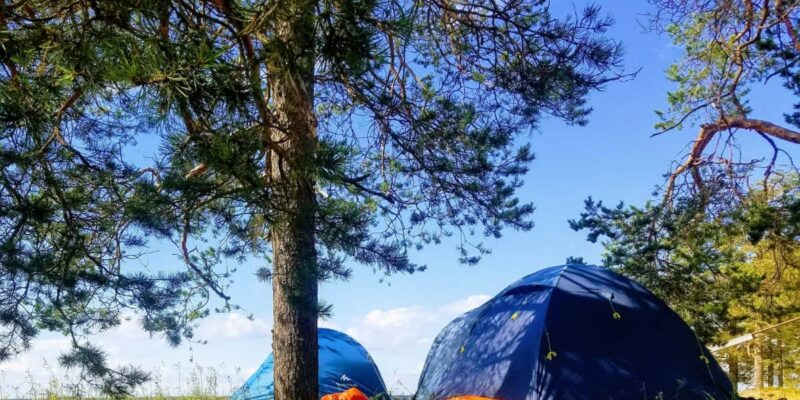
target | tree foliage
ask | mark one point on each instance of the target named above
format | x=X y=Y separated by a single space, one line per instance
x=726 y=272
x=729 y=48
x=717 y=248
x=413 y=136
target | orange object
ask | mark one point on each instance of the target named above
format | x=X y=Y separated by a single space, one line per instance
x=469 y=398
x=349 y=394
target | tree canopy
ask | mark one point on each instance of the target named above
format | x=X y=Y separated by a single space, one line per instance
x=729 y=270
x=725 y=272
x=728 y=49
x=308 y=134
x=698 y=245
x=719 y=240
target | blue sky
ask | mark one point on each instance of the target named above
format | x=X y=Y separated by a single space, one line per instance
x=396 y=318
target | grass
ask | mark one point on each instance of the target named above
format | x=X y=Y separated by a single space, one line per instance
x=206 y=383
x=198 y=383
x=772 y=394
x=167 y=383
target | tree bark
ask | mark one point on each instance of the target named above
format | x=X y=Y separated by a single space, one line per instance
x=291 y=170
x=758 y=367
x=770 y=364
x=294 y=338
x=733 y=369
x=780 y=364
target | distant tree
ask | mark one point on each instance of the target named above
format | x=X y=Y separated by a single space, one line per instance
x=708 y=243
x=729 y=47
x=575 y=260
x=693 y=244
x=725 y=272
x=307 y=133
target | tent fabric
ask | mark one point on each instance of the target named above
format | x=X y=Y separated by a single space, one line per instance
x=343 y=364
x=571 y=332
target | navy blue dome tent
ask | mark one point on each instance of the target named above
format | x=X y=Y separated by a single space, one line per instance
x=343 y=364
x=573 y=332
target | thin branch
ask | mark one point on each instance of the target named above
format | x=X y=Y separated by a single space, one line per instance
x=187 y=258
x=58 y=117
x=707 y=133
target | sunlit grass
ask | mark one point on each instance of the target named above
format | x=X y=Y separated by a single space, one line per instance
x=773 y=394
x=196 y=383
x=174 y=382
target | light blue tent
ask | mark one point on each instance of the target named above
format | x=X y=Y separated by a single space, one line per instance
x=343 y=364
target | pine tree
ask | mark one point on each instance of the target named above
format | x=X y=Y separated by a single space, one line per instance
x=311 y=134
x=728 y=269
x=728 y=48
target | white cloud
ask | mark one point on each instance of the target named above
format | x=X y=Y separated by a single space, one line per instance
x=399 y=338
x=464 y=305
x=392 y=330
x=33 y=370
x=397 y=317
x=237 y=345
x=48 y=348
x=399 y=328
x=233 y=326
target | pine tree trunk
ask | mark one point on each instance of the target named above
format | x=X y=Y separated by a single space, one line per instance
x=294 y=338
x=293 y=198
x=770 y=363
x=780 y=364
x=758 y=367
x=733 y=369
x=770 y=373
